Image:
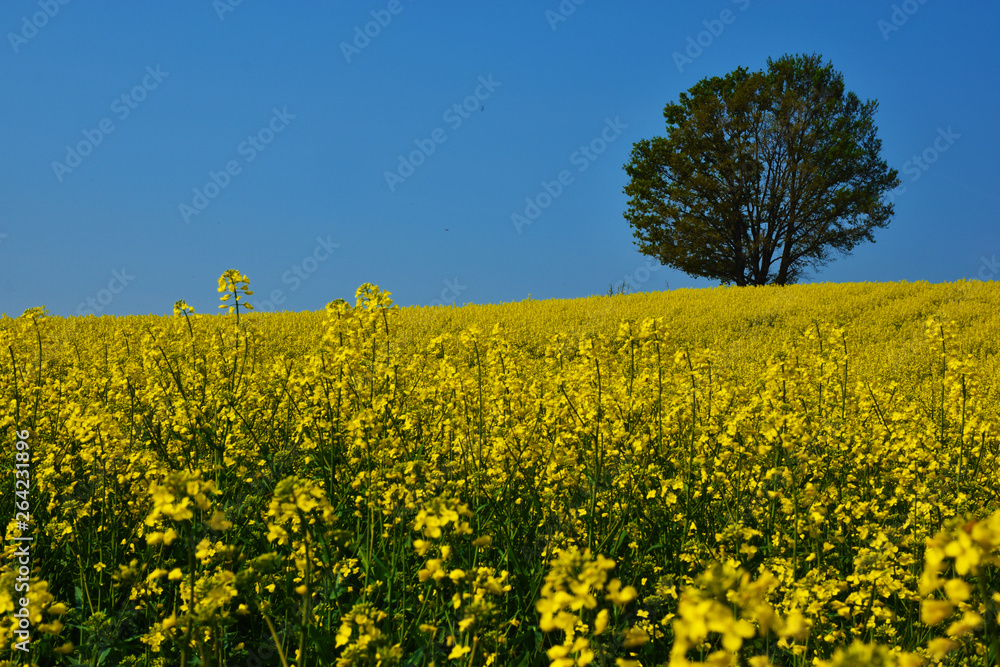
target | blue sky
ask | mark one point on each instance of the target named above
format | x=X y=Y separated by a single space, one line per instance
x=148 y=147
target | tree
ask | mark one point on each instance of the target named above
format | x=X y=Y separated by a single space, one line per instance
x=760 y=170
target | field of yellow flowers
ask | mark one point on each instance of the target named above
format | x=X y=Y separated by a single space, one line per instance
x=737 y=476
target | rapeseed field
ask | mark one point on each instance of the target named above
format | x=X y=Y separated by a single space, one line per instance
x=804 y=475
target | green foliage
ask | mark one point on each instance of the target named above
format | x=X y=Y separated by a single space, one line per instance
x=760 y=175
x=622 y=288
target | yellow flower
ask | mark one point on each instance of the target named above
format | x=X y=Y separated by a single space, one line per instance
x=967 y=555
x=635 y=636
x=219 y=521
x=940 y=646
x=276 y=533
x=182 y=308
x=232 y=283
x=957 y=590
x=969 y=622
x=432 y=568
x=205 y=549
x=621 y=596
x=344 y=634
x=601 y=622
x=458 y=651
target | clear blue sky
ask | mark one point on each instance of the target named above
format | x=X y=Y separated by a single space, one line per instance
x=299 y=133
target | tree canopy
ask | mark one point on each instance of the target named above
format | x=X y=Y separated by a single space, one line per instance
x=760 y=175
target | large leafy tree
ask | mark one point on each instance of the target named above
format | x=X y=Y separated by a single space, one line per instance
x=760 y=175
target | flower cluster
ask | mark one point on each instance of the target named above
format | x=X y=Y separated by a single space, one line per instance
x=768 y=476
x=362 y=641
x=725 y=602
x=569 y=603
x=960 y=581
x=234 y=286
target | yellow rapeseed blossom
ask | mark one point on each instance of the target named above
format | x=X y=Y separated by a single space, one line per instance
x=800 y=475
